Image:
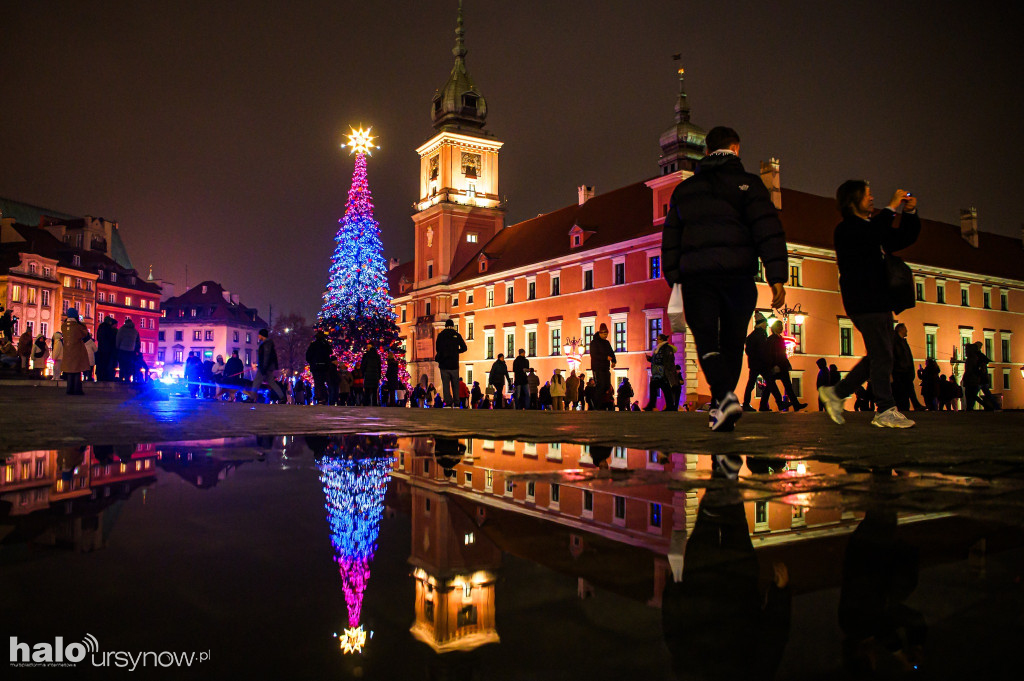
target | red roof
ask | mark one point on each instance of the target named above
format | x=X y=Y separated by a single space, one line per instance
x=809 y=220
x=395 y=275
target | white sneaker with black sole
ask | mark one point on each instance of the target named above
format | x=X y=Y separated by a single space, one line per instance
x=891 y=418
x=832 y=402
x=727 y=413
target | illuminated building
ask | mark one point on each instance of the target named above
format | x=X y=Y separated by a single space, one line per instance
x=539 y=283
x=210 y=321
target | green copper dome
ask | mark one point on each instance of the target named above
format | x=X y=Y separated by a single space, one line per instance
x=458 y=104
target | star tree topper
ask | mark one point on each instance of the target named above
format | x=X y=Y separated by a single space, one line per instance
x=360 y=141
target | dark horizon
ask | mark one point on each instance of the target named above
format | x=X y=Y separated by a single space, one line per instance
x=212 y=135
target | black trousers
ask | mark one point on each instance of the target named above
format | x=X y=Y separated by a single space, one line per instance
x=787 y=385
x=371 y=393
x=662 y=385
x=770 y=387
x=602 y=384
x=903 y=391
x=320 y=390
x=876 y=330
x=718 y=311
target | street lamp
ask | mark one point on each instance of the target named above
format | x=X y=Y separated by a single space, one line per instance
x=784 y=314
x=573 y=353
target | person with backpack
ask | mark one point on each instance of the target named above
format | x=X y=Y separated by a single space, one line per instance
x=720 y=222
x=449 y=345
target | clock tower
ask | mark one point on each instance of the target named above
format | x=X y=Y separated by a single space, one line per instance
x=459 y=208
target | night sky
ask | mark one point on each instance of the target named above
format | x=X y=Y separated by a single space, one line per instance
x=210 y=129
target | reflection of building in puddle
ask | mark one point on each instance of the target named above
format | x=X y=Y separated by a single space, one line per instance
x=206 y=463
x=624 y=529
x=68 y=497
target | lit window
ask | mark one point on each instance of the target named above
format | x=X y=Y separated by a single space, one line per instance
x=654 y=263
x=472 y=238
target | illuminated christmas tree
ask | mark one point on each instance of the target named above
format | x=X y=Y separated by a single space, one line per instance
x=354 y=471
x=356 y=306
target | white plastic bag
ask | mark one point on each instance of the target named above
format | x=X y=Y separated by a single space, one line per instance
x=675 y=309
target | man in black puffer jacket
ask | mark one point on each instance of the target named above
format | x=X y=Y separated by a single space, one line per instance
x=720 y=222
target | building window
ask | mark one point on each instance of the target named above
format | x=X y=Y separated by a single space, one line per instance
x=588 y=335
x=531 y=490
x=940 y=292
x=489 y=343
x=455 y=300
x=179 y=356
x=1004 y=301
x=160 y=336
x=575 y=240
x=620 y=336
x=113 y=277
x=472 y=238
x=248 y=356
x=490 y=297
x=197 y=335
x=160 y=355
x=654 y=519
x=846 y=341
x=556 y=283
x=795 y=274
x=235 y=336
x=556 y=493
x=797 y=332
x=101 y=297
x=509 y=294
x=248 y=337
x=469 y=330
x=177 y=335
x=588 y=501
x=510 y=343
x=428 y=308
x=929 y=344
x=654 y=266
x=16 y=293
x=43 y=329
x=531 y=290
x=76 y=260
x=654 y=326
x=44 y=298
x=430 y=269
x=920 y=290
x=469 y=298
x=556 y=341
x=531 y=343
x=588 y=279
x=986 y=299
x=620 y=273
x=620 y=507
x=31 y=295
x=88 y=310
x=32 y=268
x=208 y=335
x=965 y=296
x=46 y=272
x=1006 y=379
x=1004 y=344
x=760 y=516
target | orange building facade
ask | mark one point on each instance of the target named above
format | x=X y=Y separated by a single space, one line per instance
x=540 y=283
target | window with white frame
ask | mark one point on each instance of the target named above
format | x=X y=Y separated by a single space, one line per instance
x=619 y=332
x=919 y=288
x=531 y=288
x=966 y=338
x=556 y=338
x=940 y=291
x=619 y=270
x=531 y=340
x=489 y=343
x=490 y=296
x=556 y=283
x=510 y=342
x=587 y=332
x=588 y=277
x=761 y=516
x=986 y=297
x=796 y=272
x=469 y=297
x=556 y=494
x=931 y=334
x=619 y=508
x=990 y=342
x=654 y=265
x=472 y=237
x=1006 y=379
x=1004 y=345
x=846 y=338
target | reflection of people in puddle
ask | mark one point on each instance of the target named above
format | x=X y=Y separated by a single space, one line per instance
x=880 y=572
x=599 y=454
x=448 y=452
x=716 y=623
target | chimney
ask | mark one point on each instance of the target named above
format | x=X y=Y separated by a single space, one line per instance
x=586 y=193
x=234 y=298
x=226 y=295
x=969 y=225
x=770 y=177
x=392 y=264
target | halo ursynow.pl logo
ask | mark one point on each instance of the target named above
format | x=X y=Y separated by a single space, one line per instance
x=57 y=654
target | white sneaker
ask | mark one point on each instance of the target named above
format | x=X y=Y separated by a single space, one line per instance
x=833 y=403
x=891 y=418
x=728 y=412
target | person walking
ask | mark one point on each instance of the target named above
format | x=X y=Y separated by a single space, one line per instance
x=777 y=361
x=497 y=378
x=862 y=240
x=463 y=394
x=106 y=349
x=976 y=378
x=266 y=365
x=318 y=356
x=234 y=371
x=448 y=346
x=720 y=221
x=391 y=382
x=572 y=391
x=624 y=395
x=822 y=379
x=371 y=367
x=557 y=389
x=128 y=344
x=602 y=361
x=757 y=367
x=903 y=371
x=345 y=381
x=76 y=359
x=662 y=360
x=475 y=395
x=521 y=381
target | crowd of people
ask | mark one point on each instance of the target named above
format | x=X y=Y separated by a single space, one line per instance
x=77 y=357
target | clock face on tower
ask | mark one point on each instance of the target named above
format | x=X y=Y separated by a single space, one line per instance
x=470 y=164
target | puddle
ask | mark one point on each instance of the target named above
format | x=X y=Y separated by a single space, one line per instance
x=407 y=557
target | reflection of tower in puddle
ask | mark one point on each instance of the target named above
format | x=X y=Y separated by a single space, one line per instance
x=354 y=492
x=454 y=565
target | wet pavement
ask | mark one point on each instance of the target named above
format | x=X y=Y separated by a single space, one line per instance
x=425 y=556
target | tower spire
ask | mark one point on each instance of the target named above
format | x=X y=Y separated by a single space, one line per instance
x=460 y=33
x=682 y=144
x=682 y=105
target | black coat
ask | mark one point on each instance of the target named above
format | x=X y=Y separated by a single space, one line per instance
x=521 y=365
x=859 y=252
x=391 y=375
x=106 y=337
x=754 y=347
x=233 y=369
x=601 y=354
x=498 y=375
x=370 y=364
x=719 y=222
x=775 y=353
x=902 y=357
x=266 y=357
x=318 y=354
x=448 y=346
